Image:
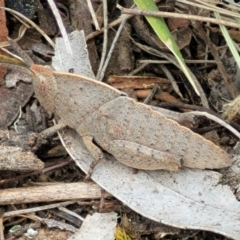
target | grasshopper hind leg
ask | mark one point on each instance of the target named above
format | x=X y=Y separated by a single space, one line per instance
x=141 y=157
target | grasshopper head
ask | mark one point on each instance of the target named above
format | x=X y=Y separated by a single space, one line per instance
x=45 y=86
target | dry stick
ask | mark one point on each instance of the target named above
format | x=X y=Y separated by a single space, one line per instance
x=10 y=53
x=151 y=94
x=57 y=192
x=213 y=7
x=136 y=70
x=178 y=15
x=37 y=209
x=136 y=82
x=186 y=61
x=171 y=79
x=60 y=25
x=21 y=32
x=112 y=24
x=71 y=213
x=45 y=170
x=111 y=49
x=206 y=47
x=105 y=39
x=92 y=12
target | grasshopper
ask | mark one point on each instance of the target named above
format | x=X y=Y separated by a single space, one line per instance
x=109 y=120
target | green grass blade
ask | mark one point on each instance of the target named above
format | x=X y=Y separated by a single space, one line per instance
x=229 y=41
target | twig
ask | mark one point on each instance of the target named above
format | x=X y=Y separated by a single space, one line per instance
x=136 y=82
x=178 y=15
x=135 y=71
x=37 y=209
x=150 y=96
x=105 y=39
x=92 y=12
x=167 y=62
x=212 y=7
x=60 y=25
x=71 y=213
x=56 y=192
x=42 y=171
x=111 y=49
x=19 y=117
x=172 y=80
x=112 y=24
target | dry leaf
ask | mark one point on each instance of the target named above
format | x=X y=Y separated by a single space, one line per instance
x=98 y=226
x=190 y=199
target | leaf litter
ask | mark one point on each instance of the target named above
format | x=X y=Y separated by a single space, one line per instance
x=199 y=191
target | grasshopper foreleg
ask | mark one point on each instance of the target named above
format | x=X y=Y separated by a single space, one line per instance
x=48 y=133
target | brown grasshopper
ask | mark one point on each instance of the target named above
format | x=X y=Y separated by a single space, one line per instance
x=107 y=119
